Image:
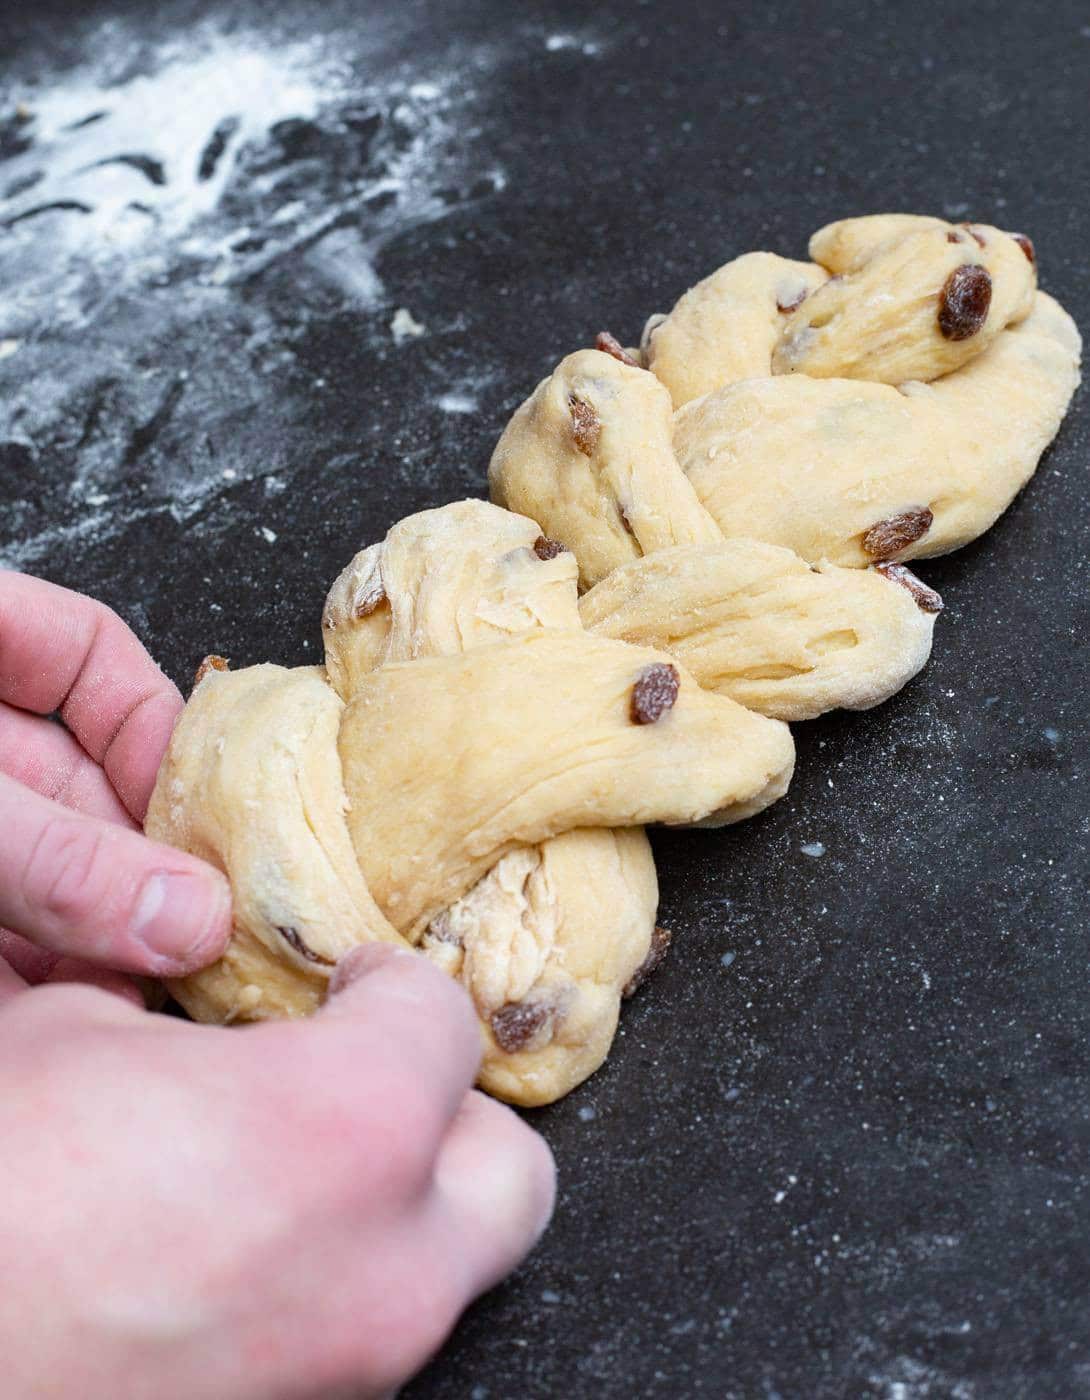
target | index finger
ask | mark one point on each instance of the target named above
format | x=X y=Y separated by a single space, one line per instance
x=62 y=651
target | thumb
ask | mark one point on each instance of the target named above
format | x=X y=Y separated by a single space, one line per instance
x=400 y=1010
x=98 y=891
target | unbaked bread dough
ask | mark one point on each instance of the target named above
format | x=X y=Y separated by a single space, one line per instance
x=470 y=771
x=589 y=456
x=726 y=327
x=923 y=303
x=754 y=622
x=872 y=304
x=816 y=464
x=469 y=776
x=749 y=620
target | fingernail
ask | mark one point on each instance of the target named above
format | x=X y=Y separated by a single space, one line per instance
x=361 y=962
x=183 y=918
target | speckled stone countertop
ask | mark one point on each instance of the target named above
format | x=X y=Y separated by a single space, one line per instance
x=273 y=276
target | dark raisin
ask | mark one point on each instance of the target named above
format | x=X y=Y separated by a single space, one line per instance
x=1026 y=245
x=610 y=345
x=369 y=598
x=210 y=663
x=660 y=946
x=927 y=600
x=654 y=693
x=888 y=537
x=516 y=1023
x=964 y=301
x=586 y=426
x=973 y=233
x=954 y=237
x=292 y=938
x=546 y=548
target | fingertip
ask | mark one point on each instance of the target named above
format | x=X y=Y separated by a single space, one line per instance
x=540 y=1168
x=132 y=759
x=361 y=962
x=400 y=974
x=182 y=916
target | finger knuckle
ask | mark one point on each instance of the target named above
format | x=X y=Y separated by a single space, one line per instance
x=405 y=1114
x=62 y=878
x=375 y=1131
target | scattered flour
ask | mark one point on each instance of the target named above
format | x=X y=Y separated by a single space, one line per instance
x=555 y=43
x=457 y=402
x=404 y=326
x=149 y=181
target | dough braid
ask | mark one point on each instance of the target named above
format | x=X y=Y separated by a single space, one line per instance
x=744 y=490
x=469 y=775
x=470 y=771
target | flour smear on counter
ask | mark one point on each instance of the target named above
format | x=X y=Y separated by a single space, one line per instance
x=175 y=219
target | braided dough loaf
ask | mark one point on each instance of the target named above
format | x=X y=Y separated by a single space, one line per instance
x=468 y=775
x=470 y=771
x=884 y=402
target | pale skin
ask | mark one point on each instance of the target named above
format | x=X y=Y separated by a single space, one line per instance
x=286 y=1211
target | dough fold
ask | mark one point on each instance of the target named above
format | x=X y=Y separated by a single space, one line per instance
x=815 y=464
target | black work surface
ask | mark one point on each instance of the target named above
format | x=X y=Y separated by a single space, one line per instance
x=840 y=1148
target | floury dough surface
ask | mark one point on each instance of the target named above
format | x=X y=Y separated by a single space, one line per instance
x=727 y=326
x=754 y=622
x=813 y=464
x=751 y=620
x=454 y=782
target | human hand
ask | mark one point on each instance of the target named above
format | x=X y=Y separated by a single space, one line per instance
x=283 y=1211
x=77 y=879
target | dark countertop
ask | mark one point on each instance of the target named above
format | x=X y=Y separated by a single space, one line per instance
x=841 y=1146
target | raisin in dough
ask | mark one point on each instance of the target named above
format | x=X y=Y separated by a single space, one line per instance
x=467 y=793
x=819 y=465
x=919 y=305
x=884 y=402
x=754 y=622
x=906 y=400
x=867 y=306
x=590 y=457
x=546 y=941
